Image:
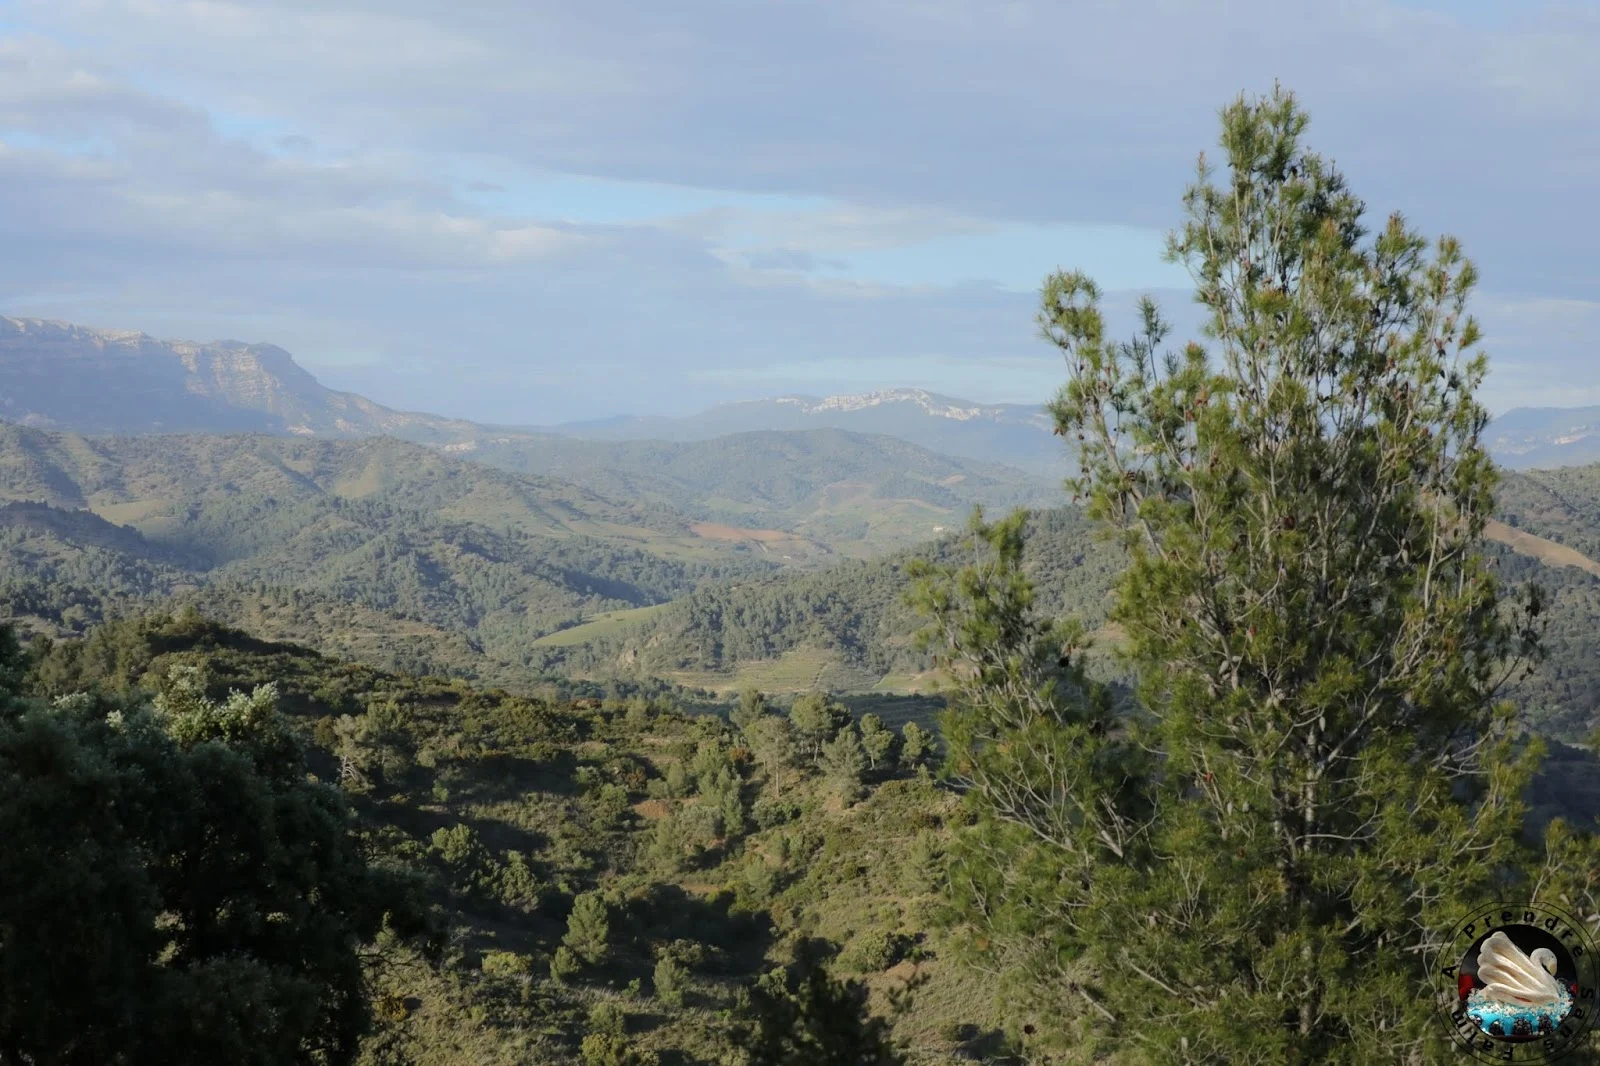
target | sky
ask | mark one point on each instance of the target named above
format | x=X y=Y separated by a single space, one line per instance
x=528 y=211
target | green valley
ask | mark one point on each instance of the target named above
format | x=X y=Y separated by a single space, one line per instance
x=336 y=735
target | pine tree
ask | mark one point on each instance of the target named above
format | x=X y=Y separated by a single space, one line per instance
x=670 y=979
x=817 y=720
x=1318 y=641
x=588 y=928
x=771 y=740
x=844 y=763
x=752 y=705
x=801 y=1015
x=877 y=741
x=915 y=745
x=564 y=965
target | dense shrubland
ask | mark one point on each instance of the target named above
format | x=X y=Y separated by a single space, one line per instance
x=608 y=876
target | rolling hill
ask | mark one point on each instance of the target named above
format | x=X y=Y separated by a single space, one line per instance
x=858 y=493
x=848 y=628
x=844 y=628
x=359 y=533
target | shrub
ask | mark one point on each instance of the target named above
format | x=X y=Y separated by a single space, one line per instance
x=506 y=964
x=671 y=980
x=604 y=1049
x=609 y=1019
x=564 y=965
x=760 y=880
x=588 y=928
x=873 y=952
x=769 y=813
x=518 y=886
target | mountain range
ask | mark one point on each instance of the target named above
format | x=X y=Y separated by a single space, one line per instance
x=857 y=493
x=401 y=554
x=1016 y=434
x=1545 y=437
x=56 y=375
x=373 y=547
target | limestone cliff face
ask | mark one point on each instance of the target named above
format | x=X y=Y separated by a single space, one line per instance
x=62 y=376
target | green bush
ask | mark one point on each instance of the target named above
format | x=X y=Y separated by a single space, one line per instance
x=518 y=886
x=759 y=880
x=873 y=952
x=589 y=928
x=608 y=1019
x=564 y=965
x=671 y=979
x=771 y=813
x=604 y=1049
x=506 y=964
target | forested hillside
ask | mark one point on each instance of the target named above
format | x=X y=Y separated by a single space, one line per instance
x=859 y=493
x=853 y=617
x=347 y=535
x=608 y=873
x=608 y=877
x=396 y=555
x=851 y=627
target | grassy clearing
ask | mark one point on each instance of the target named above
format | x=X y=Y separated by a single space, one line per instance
x=1546 y=551
x=801 y=670
x=601 y=625
x=926 y=681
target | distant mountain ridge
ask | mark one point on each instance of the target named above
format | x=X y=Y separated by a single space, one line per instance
x=1016 y=434
x=931 y=403
x=60 y=376
x=1528 y=438
x=56 y=375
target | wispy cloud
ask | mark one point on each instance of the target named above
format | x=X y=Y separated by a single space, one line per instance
x=524 y=210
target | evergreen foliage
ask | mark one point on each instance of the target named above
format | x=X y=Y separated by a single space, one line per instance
x=174 y=887
x=817 y=719
x=915 y=745
x=589 y=928
x=844 y=763
x=1323 y=779
x=876 y=741
x=803 y=1016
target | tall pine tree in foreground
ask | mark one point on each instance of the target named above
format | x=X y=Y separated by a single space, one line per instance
x=1254 y=867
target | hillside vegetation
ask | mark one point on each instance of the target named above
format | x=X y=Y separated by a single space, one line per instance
x=853 y=616
x=353 y=531
x=396 y=555
x=602 y=867
x=622 y=867
x=851 y=628
x=858 y=493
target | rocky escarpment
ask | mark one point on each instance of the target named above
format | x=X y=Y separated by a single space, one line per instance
x=62 y=376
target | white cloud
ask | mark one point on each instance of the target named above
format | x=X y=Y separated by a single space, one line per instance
x=792 y=188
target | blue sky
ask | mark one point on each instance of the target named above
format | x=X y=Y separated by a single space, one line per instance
x=533 y=211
